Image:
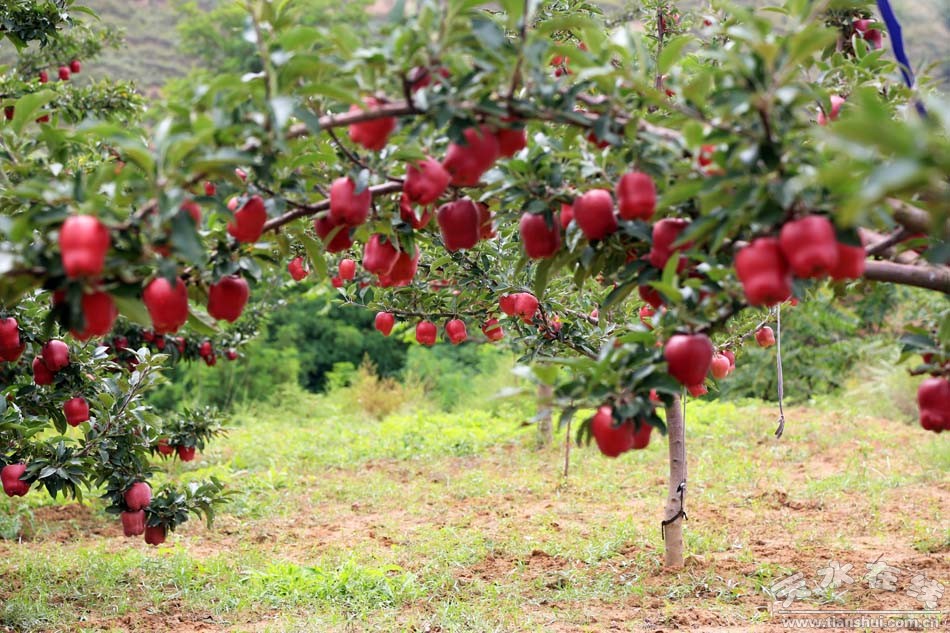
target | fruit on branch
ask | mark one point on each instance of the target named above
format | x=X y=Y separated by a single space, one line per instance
x=9 y=334
x=155 y=534
x=688 y=357
x=506 y=303
x=732 y=359
x=43 y=119
x=43 y=76
x=374 y=133
x=459 y=224
x=346 y=206
x=612 y=439
x=210 y=188
x=810 y=246
x=211 y=360
x=99 y=313
x=455 y=331
x=492 y=330
x=133 y=523
x=426 y=332
x=511 y=140
x=379 y=255
x=426 y=181
x=594 y=214
x=347 y=269
x=553 y=327
x=420 y=77
x=873 y=37
x=185 y=453
x=486 y=221
x=241 y=174
x=76 y=411
x=403 y=271
x=167 y=304
x=641 y=437
x=651 y=295
x=567 y=215
x=697 y=390
x=163 y=447
x=248 y=222
x=765 y=337
x=646 y=316
x=227 y=298
x=12 y=354
x=205 y=349
x=41 y=375
x=836 y=103
x=851 y=262
x=55 y=355
x=231 y=354
x=525 y=306
x=325 y=226
x=764 y=272
x=384 y=322
x=233 y=204
x=64 y=73
x=296 y=269
x=636 y=196
x=193 y=209
x=9 y=112
x=665 y=233
x=468 y=162
x=409 y=215
x=10 y=478
x=83 y=243
x=540 y=235
x=138 y=496
x=720 y=366
x=933 y=399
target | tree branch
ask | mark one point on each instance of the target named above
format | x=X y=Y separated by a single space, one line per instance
x=930 y=277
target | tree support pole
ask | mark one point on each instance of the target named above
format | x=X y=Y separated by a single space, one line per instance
x=545 y=426
x=675 y=514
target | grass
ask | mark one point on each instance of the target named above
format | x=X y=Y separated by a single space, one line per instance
x=451 y=522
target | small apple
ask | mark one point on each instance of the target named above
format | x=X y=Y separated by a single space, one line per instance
x=426 y=181
x=688 y=357
x=764 y=272
x=346 y=206
x=459 y=224
x=44 y=76
x=612 y=438
x=933 y=400
x=456 y=332
x=297 y=270
x=138 y=496
x=379 y=255
x=646 y=316
x=374 y=133
x=185 y=453
x=836 y=103
x=99 y=313
x=13 y=486
x=492 y=330
x=594 y=214
x=227 y=298
x=408 y=214
x=426 y=333
x=55 y=355
x=210 y=188
x=76 y=411
x=851 y=262
x=697 y=390
x=384 y=322
x=64 y=73
x=133 y=523
x=83 y=244
x=324 y=226
x=765 y=337
x=665 y=233
x=155 y=534
x=163 y=447
x=636 y=196
x=167 y=304
x=248 y=223
x=75 y=66
x=466 y=163
x=540 y=237
x=810 y=246
x=720 y=366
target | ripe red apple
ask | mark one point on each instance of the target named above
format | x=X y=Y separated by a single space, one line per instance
x=205 y=349
x=426 y=181
x=540 y=238
x=486 y=221
x=764 y=273
x=403 y=271
x=409 y=215
x=210 y=188
x=10 y=478
x=646 y=316
x=492 y=330
x=732 y=359
x=76 y=411
x=324 y=226
x=810 y=246
x=459 y=224
x=525 y=306
x=43 y=119
x=43 y=76
x=720 y=366
x=9 y=334
x=636 y=196
x=567 y=215
x=467 y=162
x=612 y=439
x=99 y=313
x=163 y=447
x=933 y=399
x=506 y=303
x=248 y=222
x=455 y=331
x=9 y=112
x=641 y=437
x=227 y=298
x=241 y=174
x=55 y=355
x=41 y=375
x=420 y=77
x=688 y=357
x=133 y=523
x=851 y=262
x=374 y=133
x=167 y=304
x=594 y=214
x=296 y=269
x=836 y=103
x=138 y=496
x=384 y=322
x=64 y=73
x=193 y=209
x=185 y=453
x=379 y=255
x=347 y=206
x=511 y=141
x=75 y=66
x=426 y=332
x=83 y=243
x=765 y=337
x=347 y=269
x=211 y=360
x=651 y=296
x=12 y=354
x=665 y=233
x=155 y=534
x=231 y=354
x=697 y=390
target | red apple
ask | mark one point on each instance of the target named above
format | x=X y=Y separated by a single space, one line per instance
x=720 y=366
x=241 y=174
x=874 y=37
x=506 y=303
x=227 y=298
x=732 y=359
x=933 y=399
x=651 y=296
x=133 y=523
x=697 y=390
x=83 y=243
x=403 y=271
x=594 y=214
x=167 y=304
x=567 y=215
x=76 y=411
x=384 y=322
x=211 y=360
x=346 y=206
x=374 y=133
x=810 y=246
x=99 y=313
x=646 y=316
x=64 y=73
x=347 y=269
x=210 y=188
x=836 y=103
x=41 y=375
x=636 y=196
x=492 y=330
x=665 y=233
x=55 y=355
x=486 y=221
x=455 y=331
x=138 y=496
x=409 y=215
x=641 y=437
x=324 y=226
x=155 y=534
x=193 y=209
x=612 y=439
x=765 y=337
x=525 y=306
x=851 y=262
x=296 y=269
x=540 y=238
x=379 y=255
x=764 y=273
x=248 y=222
x=426 y=332
x=511 y=141
x=467 y=162
x=44 y=76
x=459 y=224
x=9 y=112
x=9 y=334
x=12 y=354
x=231 y=354
x=163 y=447
x=185 y=453
x=688 y=357
x=426 y=181
x=10 y=478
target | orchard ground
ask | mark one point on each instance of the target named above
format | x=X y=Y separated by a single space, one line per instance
x=430 y=521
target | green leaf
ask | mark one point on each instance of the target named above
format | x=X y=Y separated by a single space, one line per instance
x=27 y=108
x=315 y=252
x=672 y=51
x=200 y=322
x=133 y=309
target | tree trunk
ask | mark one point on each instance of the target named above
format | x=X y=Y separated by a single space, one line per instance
x=545 y=427
x=676 y=433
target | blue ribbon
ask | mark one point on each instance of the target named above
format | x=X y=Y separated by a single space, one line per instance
x=897 y=37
